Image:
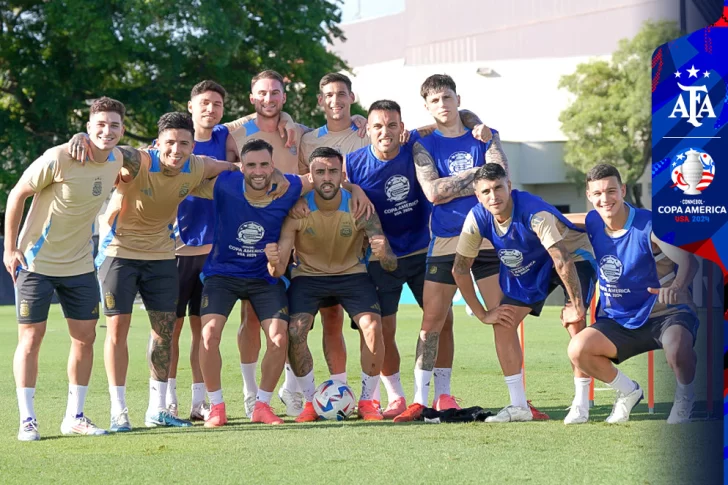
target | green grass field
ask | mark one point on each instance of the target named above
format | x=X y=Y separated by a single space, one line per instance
x=645 y=450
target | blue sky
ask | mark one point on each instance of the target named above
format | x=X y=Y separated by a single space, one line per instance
x=369 y=8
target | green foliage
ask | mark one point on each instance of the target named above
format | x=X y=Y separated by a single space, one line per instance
x=609 y=120
x=55 y=57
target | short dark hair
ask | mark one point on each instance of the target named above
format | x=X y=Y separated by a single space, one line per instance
x=385 y=105
x=176 y=120
x=325 y=152
x=207 y=85
x=256 y=145
x=268 y=74
x=602 y=171
x=437 y=83
x=490 y=171
x=334 y=77
x=105 y=104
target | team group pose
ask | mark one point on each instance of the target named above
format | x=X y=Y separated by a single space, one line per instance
x=296 y=222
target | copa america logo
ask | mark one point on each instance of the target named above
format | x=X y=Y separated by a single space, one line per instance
x=250 y=232
x=459 y=162
x=692 y=171
x=397 y=188
x=510 y=257
x=610 y=268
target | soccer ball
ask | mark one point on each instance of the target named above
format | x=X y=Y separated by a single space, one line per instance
x=334 y=400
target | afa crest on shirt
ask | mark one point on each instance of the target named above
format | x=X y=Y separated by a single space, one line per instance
x=345 y=231
x=97 y=188
x=109 y=301
x=184 y=190
x=24 y=309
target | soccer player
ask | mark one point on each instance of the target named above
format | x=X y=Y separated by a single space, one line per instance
x=446 y=162
x=645 y=302
x=54 y=254
x=245 y=222
x=386 y=173
x=193 y=232
x=539 y=249
x=329 y=250
x=137 y=255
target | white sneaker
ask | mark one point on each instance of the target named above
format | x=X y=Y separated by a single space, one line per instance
x=172 y=409
x=120 y=422
x=249 y=405
x=29 y=431
x=199 y=412
x=577 y=415
x=80 y=425
x=681 y=410
x=292 y=400
x=623 y=405
x=511 y=414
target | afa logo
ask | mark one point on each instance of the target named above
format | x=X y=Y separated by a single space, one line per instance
x=184 y=190
x=692 y=171
x=610 y=268
x=250 y=232
x=693 y=103
x=97 y=188
x=459 y=162
x=396 y=188
x=512 y=258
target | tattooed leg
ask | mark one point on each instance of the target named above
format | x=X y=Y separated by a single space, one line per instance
x=437 y=299
x=160 y=343
x=299 y=354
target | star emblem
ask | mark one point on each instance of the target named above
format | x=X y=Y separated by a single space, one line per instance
x=706 y=74
x=674 y=164
x=677 y=74
x=693 y=72
x=681 y=156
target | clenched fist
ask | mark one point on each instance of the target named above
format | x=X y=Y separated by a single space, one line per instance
x=378 y=245
x=272 y=253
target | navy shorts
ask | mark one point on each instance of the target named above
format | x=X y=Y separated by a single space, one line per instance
x=189 y=269
x=587 y=279
x=221 y=293
x=439 y=268
x=78 y=295
x=155 y=280
x=355 y=292
x=632 y=342
x=410 y=270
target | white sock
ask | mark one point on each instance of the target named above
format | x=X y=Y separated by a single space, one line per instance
x=118 y=399
x=422 y=385
x=26 y=396
x=685 y=390
x=377 y=394
x=442 y=377
x=339 y=377
x=393 y=385
x=263 y=396
x=157 y=396
x=307 y=384
x=198 y=394
x=516 y=391
x=215 y=397
x=290 y=382
x=368 y=386
x=76 y=400
x=581 y=392
x=250 y=387
x=171 y=391
x=622 y=383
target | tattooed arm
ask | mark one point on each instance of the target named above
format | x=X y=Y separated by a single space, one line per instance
x=495 y=153
x=566 y=270
x=132 y=162
x=439 y=190
x=379 y=244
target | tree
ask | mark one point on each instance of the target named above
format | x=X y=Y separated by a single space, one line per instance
x=55 y=57
x=609 y=120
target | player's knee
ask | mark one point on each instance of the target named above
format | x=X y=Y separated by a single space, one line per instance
x=370 y=326
x=297 y=330
x=210 y=336
x=577 y=350
x=30 y=341
x=333 y=314
x=279 y=341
